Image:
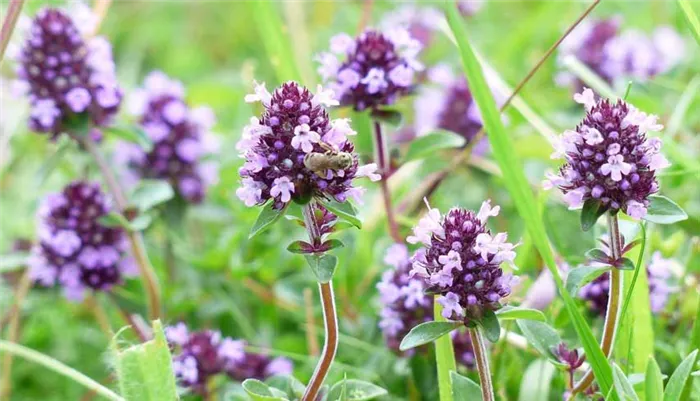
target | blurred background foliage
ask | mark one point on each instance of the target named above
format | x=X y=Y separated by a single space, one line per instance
x=254 y=289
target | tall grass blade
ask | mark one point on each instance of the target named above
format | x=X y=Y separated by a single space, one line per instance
x=524 y=199
x=691 y=18
x=445 y=358
x=276 y=42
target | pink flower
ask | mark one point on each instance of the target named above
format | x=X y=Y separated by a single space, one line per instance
x=450 y=305
x=282 y=187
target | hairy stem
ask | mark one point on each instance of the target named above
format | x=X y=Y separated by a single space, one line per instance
x=612 y=315
x=384 y=169
x=482 y=364
x=58 y=367
x=148 y=275
x=330 y=345
x=8 y=25
x=330 y=318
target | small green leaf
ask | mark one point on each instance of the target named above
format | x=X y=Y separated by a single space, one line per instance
x=333 y=244
x=622 y=385
x=345 y=211
x=662 y=210
x=626 y=264
x=260 y=391
x=298 y=247
x=592 y=210
x=516 y=312
x=287 y=384
x=596 y=254
x=541 y=336
x=581 y=276
x=426 y=145
x=323 y=266
x=464 y=389
x=13 y=261
x=427 y=332
x=131 y=133
x=355 y=390
x=691 y=18
x=151 y=193
x=391 y=117
x=653 y=382
x=114 y=220
x=141 y=222
x=144 y=371
x=492 y=329
x=267 y=217
x=675 y=384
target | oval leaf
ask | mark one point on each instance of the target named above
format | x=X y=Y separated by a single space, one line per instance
x=626 y=264
x=674 y=387
x=427 y=332
x=114 y=220
x=260 y=391
x=464 y=389
x=151 y=193
x=591 y=212
x=581 y=276
x=653 y=382
x=345 y=211
x=391 y=117
x=299 y=247
x=542 y=337
x=323 y=266
x=267 y=217
x=131 y=133
x=492 y=329
x=515 y=312
x=355 y=390
x=662 y=210
x=622 y=385
x=425 y=145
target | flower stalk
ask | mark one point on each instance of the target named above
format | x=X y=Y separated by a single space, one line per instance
x=148 y=275
x=482 y=364
x=330 y=319
x=612 y=315
x=384 y=169
x=8 y=25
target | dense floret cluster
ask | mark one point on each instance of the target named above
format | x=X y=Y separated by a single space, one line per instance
x=461 y=260
x=609 y=158
x=66 y=77
x=181 y=138
x=296 y=152
x=75 y=250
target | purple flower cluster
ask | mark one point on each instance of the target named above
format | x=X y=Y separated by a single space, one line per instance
x=201 y=355
x=181 y=138
x=659 y=273
x=461 y=260
x=614 y=55
x=448 y=105
x=65 y=76
x=405 y=305
x=372 y=70
x=74 y=249
x=294 y=127
x=609 y=157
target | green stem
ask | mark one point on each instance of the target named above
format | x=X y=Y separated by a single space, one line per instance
x=58 y=367
x=482 y=364
x=13 y=11
x=444 y=357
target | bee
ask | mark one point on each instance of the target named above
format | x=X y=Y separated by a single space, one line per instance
x=320 y=163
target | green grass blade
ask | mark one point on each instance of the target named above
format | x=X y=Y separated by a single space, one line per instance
x=691 y=18
x=276 y=42
x=524 y=199
x=639 y=347
x=58 y=367
x=445 y=358
x=694 y=344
